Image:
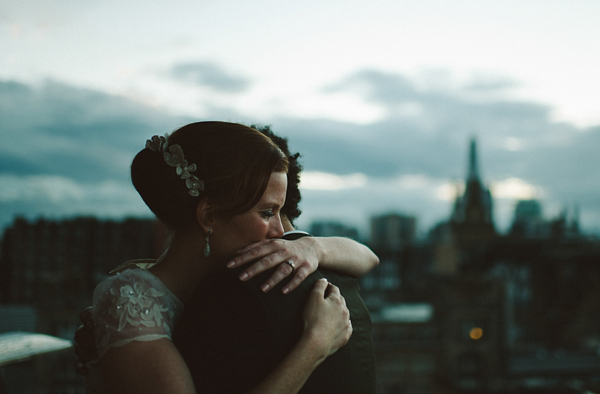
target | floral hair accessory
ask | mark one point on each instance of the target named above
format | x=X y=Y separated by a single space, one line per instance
x=173 y=156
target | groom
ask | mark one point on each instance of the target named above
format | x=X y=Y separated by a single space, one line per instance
x=247 y=332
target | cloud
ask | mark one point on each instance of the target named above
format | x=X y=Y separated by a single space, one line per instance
x=53 y=188
x=208 y=74
x=59 y=197
x=388 y=89
x=432 y=139
x=62 y=141
x=326 y=181
x=487 y=83
x=57 y=129
x=522 y=151
x=411 y=194
x=66 y=150
x=514 y=188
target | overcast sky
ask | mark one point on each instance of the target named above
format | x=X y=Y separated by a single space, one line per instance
x=380 y=97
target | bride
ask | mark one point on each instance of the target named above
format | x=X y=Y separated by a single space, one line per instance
x=219 y=187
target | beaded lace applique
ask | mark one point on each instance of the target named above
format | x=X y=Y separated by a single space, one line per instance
x=173 y=156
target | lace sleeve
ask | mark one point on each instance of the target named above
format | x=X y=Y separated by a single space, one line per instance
x=132 y=306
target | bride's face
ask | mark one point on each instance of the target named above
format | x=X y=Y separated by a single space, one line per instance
x=261 y=222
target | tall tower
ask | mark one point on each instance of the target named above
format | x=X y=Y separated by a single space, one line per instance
x=472 y=216
x=473 y=171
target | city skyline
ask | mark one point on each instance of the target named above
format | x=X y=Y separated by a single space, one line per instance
x=450 y=192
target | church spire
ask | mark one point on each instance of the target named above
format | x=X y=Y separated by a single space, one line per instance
x=474 y=207
x=473 y=171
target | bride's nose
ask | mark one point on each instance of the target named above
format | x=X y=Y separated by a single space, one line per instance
x=276 y=228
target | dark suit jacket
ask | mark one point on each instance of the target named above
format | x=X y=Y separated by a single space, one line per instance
x=232 y=335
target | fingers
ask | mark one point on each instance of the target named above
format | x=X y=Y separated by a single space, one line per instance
x=330 y=292
x=252 y=246
x=349 y=331
x=319 y=288
x=346 y=328
x=254 y=252
x=271 y=253
x=328 y=316
x=301 y=273
x=281 y=272
x=266 y=255
x=333 y=292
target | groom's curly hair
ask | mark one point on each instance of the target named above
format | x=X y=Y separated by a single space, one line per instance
x=293 y=196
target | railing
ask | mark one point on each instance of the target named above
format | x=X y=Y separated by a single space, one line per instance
x=21 y=347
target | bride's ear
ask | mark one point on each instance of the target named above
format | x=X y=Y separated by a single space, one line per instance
x=205 y=214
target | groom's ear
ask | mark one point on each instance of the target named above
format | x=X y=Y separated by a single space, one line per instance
x=206 y=215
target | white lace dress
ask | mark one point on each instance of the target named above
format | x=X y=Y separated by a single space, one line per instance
x=133 y=305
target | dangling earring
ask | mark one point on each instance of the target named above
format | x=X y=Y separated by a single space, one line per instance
x=207 y=246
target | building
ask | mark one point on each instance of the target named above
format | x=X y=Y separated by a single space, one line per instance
x=392 y=239
x=526 y=293
x=469 y=229
x=408 y=347
x=471 y=321
x=49 y=269
x=392 y=232
x=472 y=217
x=512 y=313
x=528 y=220
x=333 y=228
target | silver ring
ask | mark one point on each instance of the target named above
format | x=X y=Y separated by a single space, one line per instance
x=291 y=263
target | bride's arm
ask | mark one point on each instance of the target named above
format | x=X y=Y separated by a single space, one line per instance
x=149 y=367
x=339 y=254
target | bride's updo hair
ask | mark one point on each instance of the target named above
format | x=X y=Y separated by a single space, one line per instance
x=234 y=162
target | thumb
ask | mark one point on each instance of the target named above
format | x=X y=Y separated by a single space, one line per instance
x=319 y=288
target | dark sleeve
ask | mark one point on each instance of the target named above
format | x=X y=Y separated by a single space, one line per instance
x=352 y=368
x=233 y=335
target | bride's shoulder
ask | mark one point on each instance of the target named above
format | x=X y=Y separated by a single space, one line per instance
x=133 y=305
x=133 y=285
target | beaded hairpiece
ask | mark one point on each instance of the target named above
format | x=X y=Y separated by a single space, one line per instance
x=173 y=156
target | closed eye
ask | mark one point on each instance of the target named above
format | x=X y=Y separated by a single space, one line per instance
x=269 y=213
